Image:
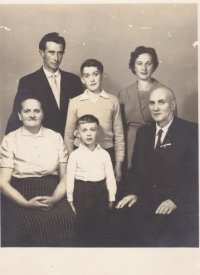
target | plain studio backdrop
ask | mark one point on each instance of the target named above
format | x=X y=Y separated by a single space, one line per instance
x=107 y=32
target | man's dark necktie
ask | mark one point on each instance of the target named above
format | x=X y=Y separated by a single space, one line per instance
x=159 y=134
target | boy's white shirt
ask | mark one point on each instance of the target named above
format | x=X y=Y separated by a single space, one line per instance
x=87 y=165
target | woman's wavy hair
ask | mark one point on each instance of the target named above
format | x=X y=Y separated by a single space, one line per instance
x=140 y=50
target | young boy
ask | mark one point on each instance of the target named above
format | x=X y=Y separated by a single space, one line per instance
x=105 y=107
x=91 y=185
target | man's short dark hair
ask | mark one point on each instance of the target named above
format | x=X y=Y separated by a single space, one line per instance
x=87 y=119
x=52 y=37
x=92 y=63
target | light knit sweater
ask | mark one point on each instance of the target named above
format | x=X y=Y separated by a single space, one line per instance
x=107 y=110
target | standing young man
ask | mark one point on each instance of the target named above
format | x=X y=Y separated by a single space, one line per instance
x=53 y=86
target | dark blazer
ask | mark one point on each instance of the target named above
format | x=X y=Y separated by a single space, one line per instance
x=37 y=84
x=170 y=173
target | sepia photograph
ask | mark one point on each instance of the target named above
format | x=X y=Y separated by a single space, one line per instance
x=99 y=136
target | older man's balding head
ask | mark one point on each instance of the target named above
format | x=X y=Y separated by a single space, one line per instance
x=163 y=90
x=162 y=105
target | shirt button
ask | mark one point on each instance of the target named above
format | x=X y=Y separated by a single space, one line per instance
x=154 y=186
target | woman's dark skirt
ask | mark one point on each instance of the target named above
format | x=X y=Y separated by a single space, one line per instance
x=22 y=227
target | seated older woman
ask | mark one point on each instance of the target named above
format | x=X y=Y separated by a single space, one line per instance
x=33 y=162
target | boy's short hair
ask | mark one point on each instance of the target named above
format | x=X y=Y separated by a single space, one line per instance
x=87 y=119
x=92 y=63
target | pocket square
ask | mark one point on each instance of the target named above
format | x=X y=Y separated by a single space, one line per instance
x=165 y=145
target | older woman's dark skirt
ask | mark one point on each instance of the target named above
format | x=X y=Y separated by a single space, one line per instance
x=23 y=227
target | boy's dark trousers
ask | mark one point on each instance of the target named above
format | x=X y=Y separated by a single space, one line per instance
x=91 y=204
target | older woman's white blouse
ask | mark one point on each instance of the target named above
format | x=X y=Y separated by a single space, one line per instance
x=33 y=155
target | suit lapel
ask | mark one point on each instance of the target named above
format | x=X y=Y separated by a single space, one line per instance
x=149 y=148
x=63 y=88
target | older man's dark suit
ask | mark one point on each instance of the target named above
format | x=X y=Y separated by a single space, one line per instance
x=37 y=84
x=169 y=173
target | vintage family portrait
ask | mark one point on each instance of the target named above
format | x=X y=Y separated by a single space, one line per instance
x=99 y=125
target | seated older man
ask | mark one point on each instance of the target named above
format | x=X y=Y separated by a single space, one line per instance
x=161 y=206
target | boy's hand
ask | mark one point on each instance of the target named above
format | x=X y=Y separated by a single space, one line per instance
x=72 y=206
x=118 y=171
x=110 y=205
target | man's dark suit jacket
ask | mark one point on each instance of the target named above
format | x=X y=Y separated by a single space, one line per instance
x=37 y=84
x=172 y=172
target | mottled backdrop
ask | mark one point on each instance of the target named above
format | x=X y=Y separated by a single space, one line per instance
x=108 y=32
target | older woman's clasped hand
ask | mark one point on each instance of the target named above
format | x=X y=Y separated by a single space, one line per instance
x=40 y=202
